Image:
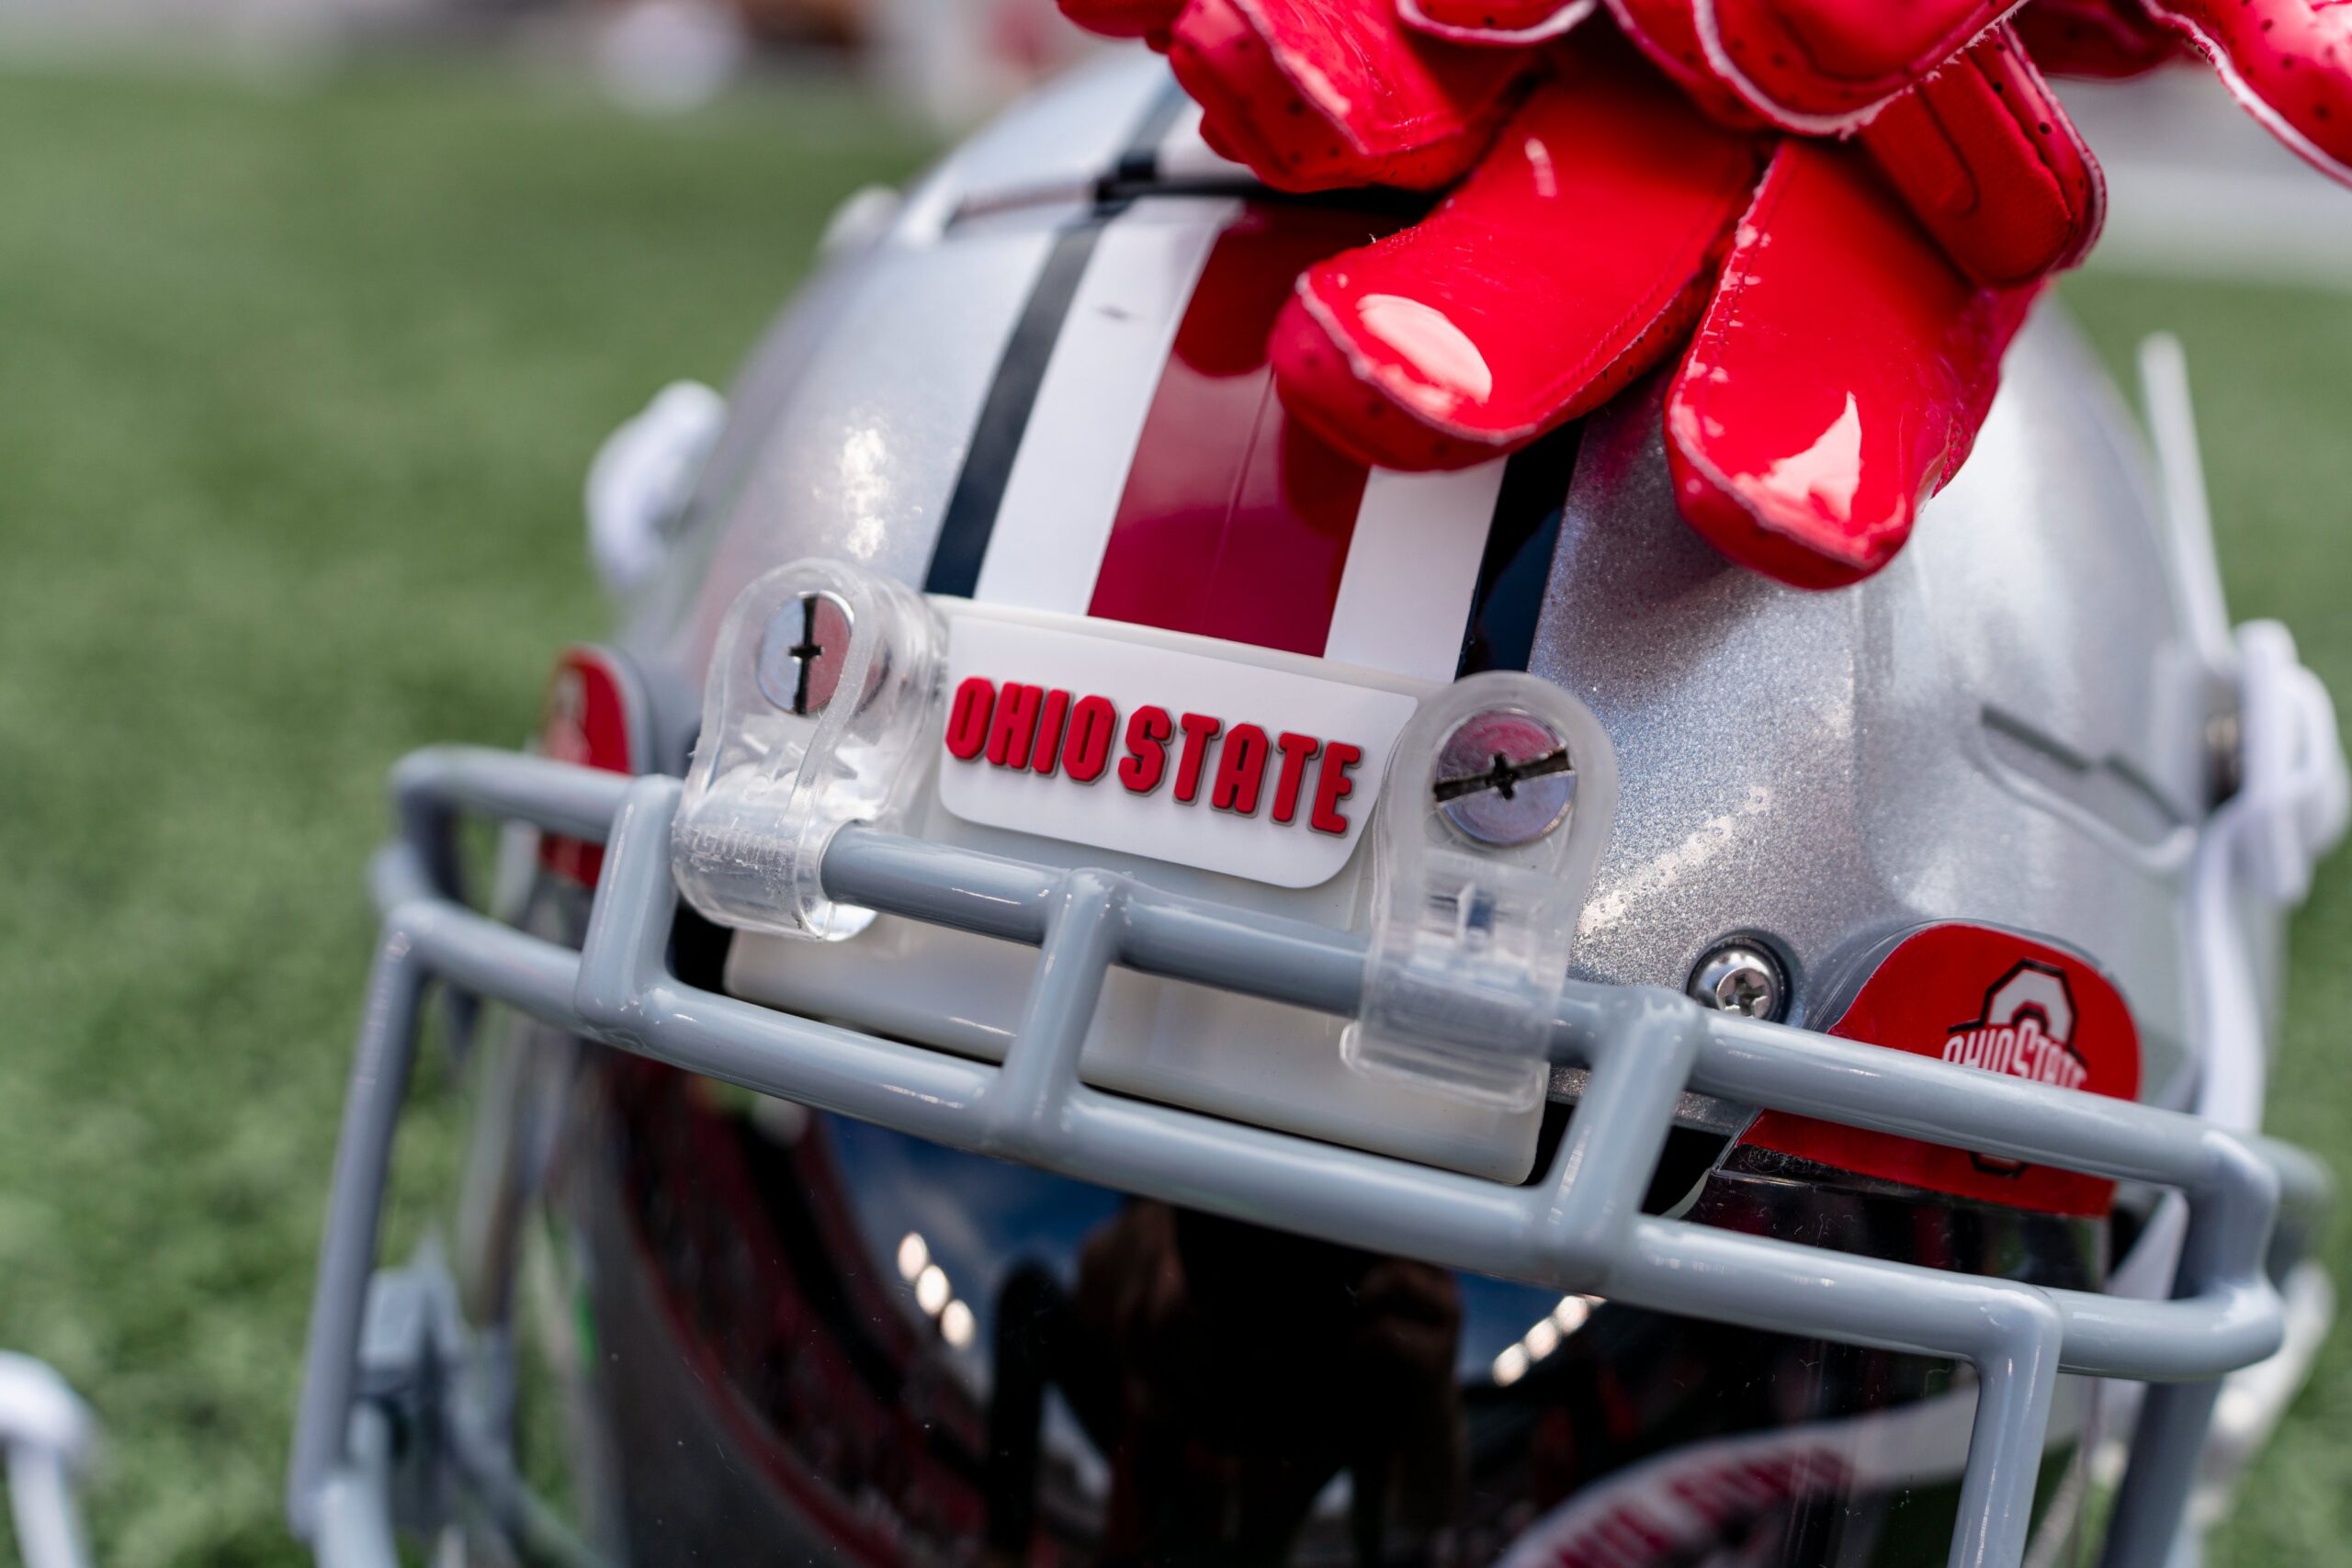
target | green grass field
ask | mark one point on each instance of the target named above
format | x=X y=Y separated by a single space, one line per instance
x=296 y=385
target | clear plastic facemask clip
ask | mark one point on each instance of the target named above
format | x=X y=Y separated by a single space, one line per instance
x=1497 y=805
x=823 y=692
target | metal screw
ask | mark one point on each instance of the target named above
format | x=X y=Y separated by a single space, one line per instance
x=2225 y=756
x=1741 y=977
x=801 y=655
x=1505 y=778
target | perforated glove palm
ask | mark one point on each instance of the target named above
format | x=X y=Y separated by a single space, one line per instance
x=1837 y=210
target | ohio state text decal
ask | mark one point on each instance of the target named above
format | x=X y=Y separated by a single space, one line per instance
x=1259 y=772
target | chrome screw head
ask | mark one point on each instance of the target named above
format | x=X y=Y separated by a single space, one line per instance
x=802 y=653
x=1741 y=977
x=1504 y=778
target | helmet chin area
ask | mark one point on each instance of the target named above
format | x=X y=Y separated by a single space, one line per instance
x=1096 y=1374
x=1001 y=1302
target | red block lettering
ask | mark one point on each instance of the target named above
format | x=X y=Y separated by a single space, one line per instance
x=1087 y=752
x=1146 y=759
x=1048 y=748
x=1240 y=769
x=1016 y=724
x=967 y=720
x=1332 y=785
x=1297 y=751
x=1199 y=730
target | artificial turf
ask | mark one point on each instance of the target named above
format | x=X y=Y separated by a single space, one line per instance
x=297 y=383
x=298 y=378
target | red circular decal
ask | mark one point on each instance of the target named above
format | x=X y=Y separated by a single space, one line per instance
x=1995 y=1002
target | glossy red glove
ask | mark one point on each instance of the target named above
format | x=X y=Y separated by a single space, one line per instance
x=1841 y=360
x=2289 y=62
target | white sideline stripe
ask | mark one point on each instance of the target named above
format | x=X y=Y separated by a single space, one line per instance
x=1064 y=489
x=1412 y=567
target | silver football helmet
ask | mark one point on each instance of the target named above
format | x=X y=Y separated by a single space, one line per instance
x=1096 y=982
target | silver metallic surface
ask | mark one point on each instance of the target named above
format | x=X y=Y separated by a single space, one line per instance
x=2005 y=727
x=1505 y=778
x=1739 y=978
x=848 y=429
x=2009 y=725
x=1580 y=1230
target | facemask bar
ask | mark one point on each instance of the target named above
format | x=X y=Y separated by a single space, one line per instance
x=46 y=1438
x=1578 y=1231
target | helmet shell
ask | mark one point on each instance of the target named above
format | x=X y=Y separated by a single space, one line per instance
x=2006 y=727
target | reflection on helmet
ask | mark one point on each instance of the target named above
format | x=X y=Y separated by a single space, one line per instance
x=1150 y=1384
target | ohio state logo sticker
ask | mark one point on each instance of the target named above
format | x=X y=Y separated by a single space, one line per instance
x=596 y=718
x=2027 y=1032
x=1995 y=1002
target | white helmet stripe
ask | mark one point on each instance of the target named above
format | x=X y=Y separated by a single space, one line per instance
x=1064 y=487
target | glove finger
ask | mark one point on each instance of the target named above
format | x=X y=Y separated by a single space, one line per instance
x=1667 y=32
x=2289 y=61
x=1837 y=379
x=1124 y=19
x=1520 y=22
x=1987 y=159
x=1824 y=67
x=1573 y=258
x=2095 y=38
x=1313 y=95
x=1215 y=142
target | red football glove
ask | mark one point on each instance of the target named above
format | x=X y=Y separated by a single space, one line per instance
x=1850 y=308
x=2287 y=62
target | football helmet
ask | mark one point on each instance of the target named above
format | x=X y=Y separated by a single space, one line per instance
x=1090 y=980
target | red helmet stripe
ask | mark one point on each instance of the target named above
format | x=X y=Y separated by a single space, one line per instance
x=1135 y=463
x=1236 y=521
